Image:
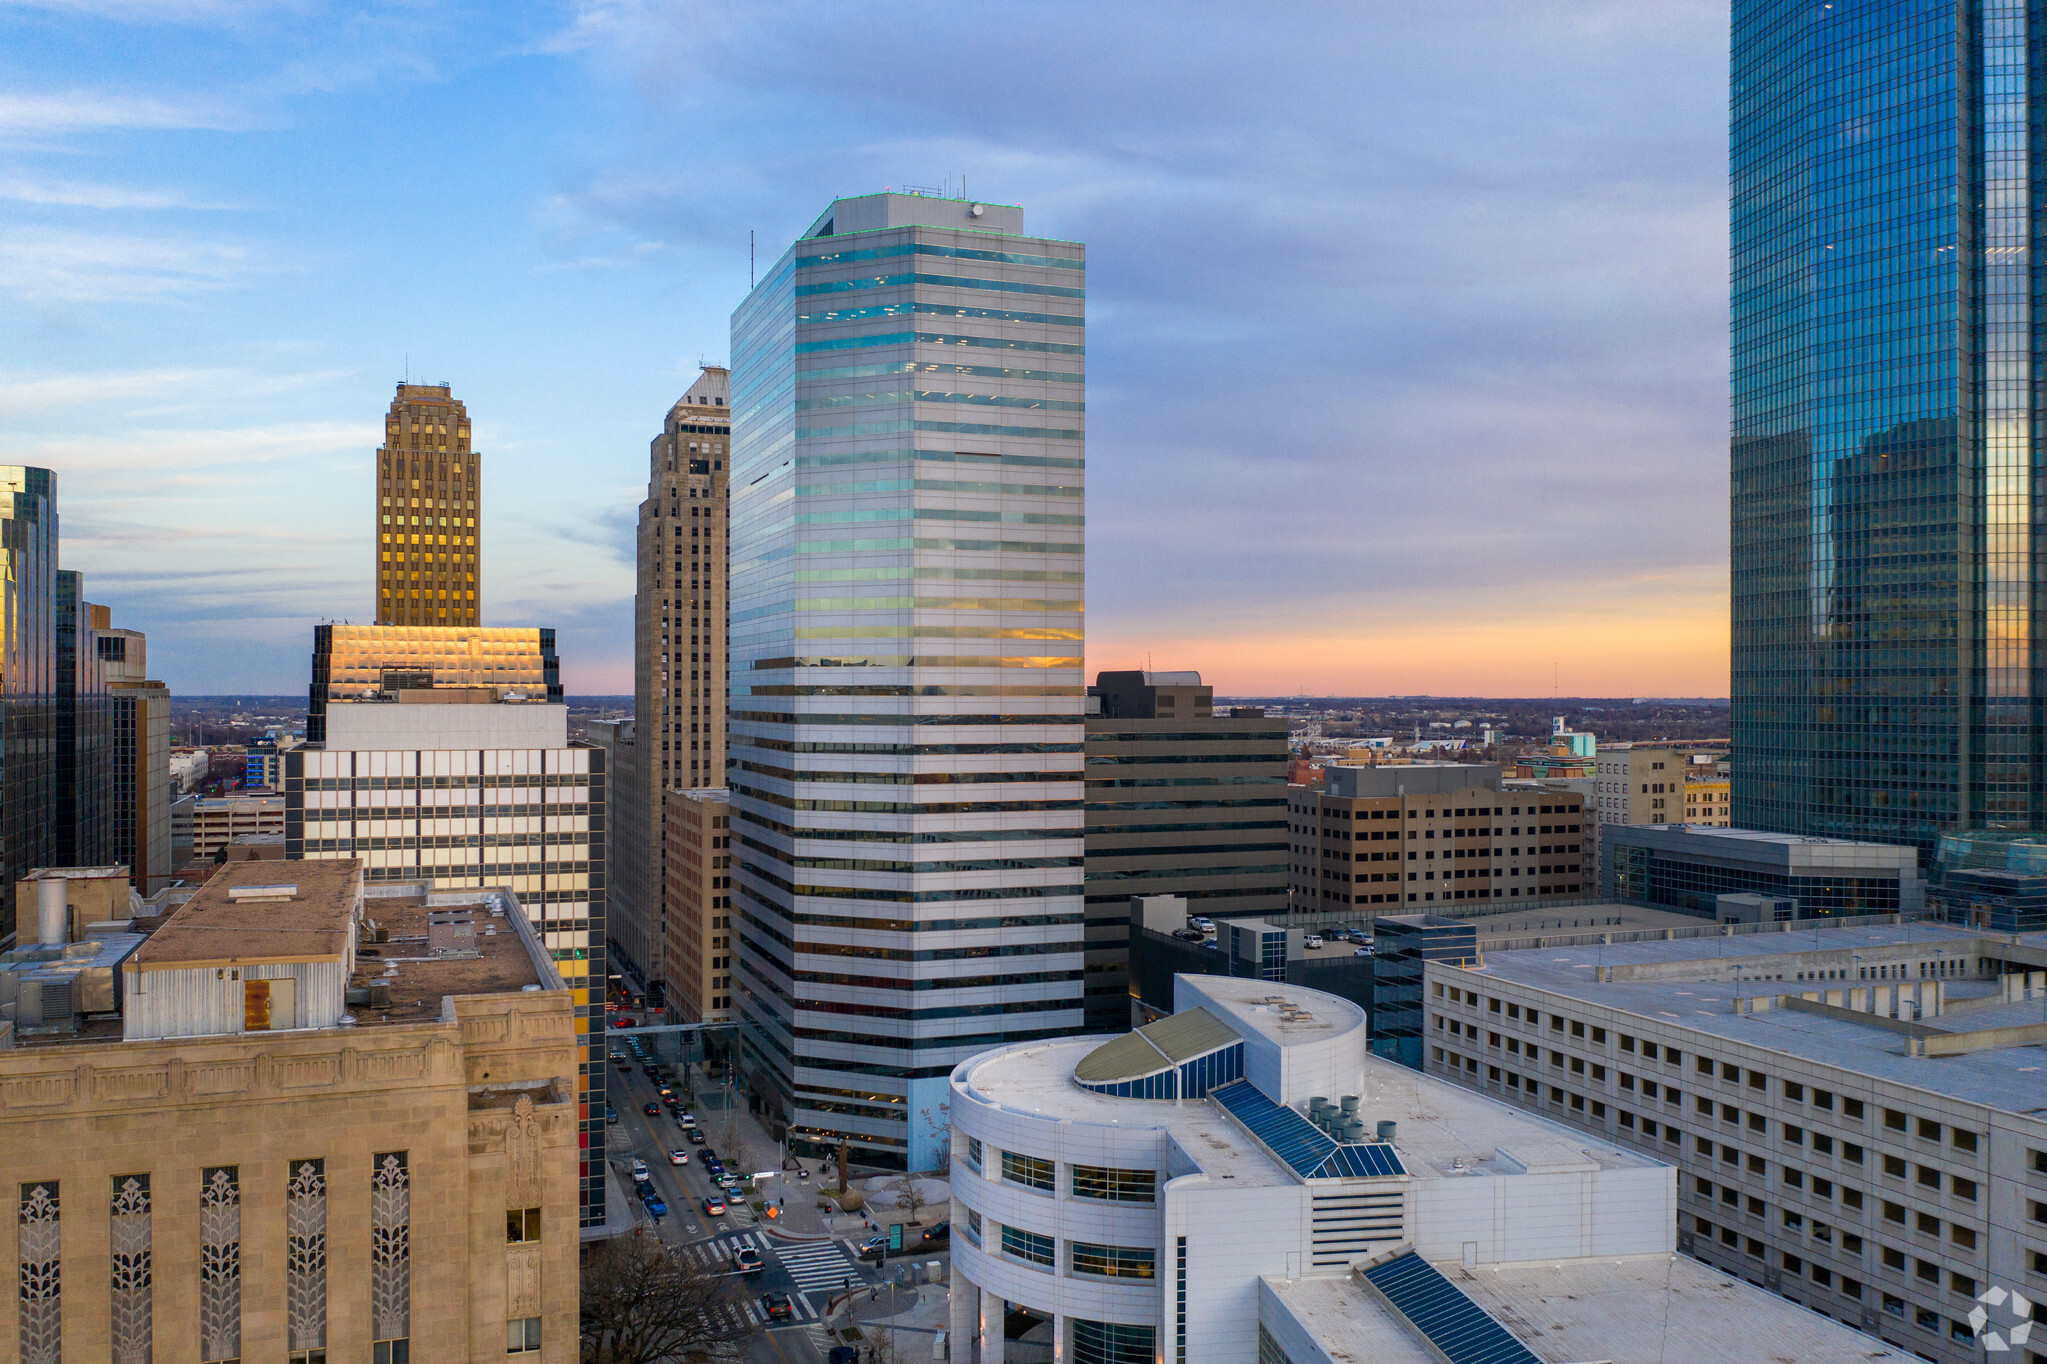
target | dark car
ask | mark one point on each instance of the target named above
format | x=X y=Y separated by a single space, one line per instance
x=1188 y=934
x=749 y=1261
x=940 y=1231
x=777 y=1307
x=654 y=1204
x=610 y=1116
x=651 y=1110
x=696 y=1136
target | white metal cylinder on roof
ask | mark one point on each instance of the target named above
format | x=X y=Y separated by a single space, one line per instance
x=51 y=911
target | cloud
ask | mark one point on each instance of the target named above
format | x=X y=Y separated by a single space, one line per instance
x=100 y=111
x=95 y=196
x=179 y=455
x=46 y=264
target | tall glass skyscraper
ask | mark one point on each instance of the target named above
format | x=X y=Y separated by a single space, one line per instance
x=1887 y=661
x=906 y=689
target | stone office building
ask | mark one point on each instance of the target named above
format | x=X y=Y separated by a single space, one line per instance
x=288 y=1149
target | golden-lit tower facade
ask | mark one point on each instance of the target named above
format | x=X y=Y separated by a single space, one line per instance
x=429 y=501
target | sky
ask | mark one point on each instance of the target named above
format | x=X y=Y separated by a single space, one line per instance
x=1407 y=325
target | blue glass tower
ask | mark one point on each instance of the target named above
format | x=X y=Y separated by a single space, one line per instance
x=1886 y=664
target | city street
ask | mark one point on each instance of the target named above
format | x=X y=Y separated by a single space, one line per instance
x=802 y=1257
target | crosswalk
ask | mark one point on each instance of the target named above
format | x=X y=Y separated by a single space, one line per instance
x=817 y=1268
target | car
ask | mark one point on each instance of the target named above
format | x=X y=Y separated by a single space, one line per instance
x=648 y=1071
x=1362 y=952
x=1312 y=940
x=678 y=1157
x=684 y=1118
x=843 y=1354
x=1202 y=922
x=625 y=1067
x=875 y=1246
x=610 y=1116
x=708 y=1153
x=938 y=1231
x=1188 y=934
x=749 y=1261
x=696 y=1136
x=654 y=1204
x=1212 y=945
x=714 y=1206
x=651 y=1110
x=623 y=1023
x=640 y=1172
x=715 y=1169
x=777 y=1307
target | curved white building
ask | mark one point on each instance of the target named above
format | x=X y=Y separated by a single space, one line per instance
x=1162 y=1197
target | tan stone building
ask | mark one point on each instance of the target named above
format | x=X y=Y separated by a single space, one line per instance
x=1662 y=784
x=325 y=1126
x=429 y=508
x=141 y=748
x=698 y=841
x=676 y=740
x=1374 y=838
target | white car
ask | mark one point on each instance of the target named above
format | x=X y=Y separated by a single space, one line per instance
x=1312 y=940
x=678 y=1157
x=640 y=1175
x=1202 y=922
x=1362 y=952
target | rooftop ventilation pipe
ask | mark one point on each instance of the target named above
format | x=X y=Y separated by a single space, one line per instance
x=52 y=905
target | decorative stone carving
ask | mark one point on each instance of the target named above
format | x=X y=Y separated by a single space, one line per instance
x=390 y=1247
x=305 y=1256
x=522 y=1153
x=220 y=1263
x=42 y=1281
x=131 y=1301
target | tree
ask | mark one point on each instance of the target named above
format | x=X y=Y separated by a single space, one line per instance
x=644 y=1304
x=907 y=1201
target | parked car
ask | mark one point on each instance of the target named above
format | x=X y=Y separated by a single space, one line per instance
x=1188 y=934
x=940 y=1231
x=685 y=1119
x=714 y=1206
x=1362 y=952
x=610 y=1116
x=1202 y=922
x=874 y=1247
x=623 y=1023
x=1212 y=945
x=1312 y=940
x=696 y=1136
x=640 y=1172
x=678 y=1157
x=777 y=1307
x=749 y=1261
x=656 y=1206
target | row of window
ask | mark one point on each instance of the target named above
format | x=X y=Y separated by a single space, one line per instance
x=1083 y=1257
x=1087 y=1181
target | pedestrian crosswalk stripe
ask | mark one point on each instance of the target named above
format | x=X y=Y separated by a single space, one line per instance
x=816 y=1268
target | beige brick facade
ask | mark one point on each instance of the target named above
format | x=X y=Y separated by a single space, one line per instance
x=482 y=1103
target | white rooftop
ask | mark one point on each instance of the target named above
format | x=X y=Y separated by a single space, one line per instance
x=1657 y=1309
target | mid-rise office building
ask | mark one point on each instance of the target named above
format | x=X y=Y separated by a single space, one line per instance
x=1886 y=633
x=676 y=739
x=268 y=1143
x=1687 y=869
x=1648 y=783
x=429 y=511
x=907 y=549
x=139 y=820
x=1180 y=801
x=442 y=757
x=202 y=825
x=700 y=936
x=1242 y=1181
x=1854 y=1111
x=1425 y=833
x=84 y=727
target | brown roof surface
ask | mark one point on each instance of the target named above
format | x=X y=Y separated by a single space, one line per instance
x=501 y=966
x=211 y=927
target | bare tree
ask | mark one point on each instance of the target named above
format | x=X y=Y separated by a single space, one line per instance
x=908 y=1203
x=644 y=1304
x=938 y=1122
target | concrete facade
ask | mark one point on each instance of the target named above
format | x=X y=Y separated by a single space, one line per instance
x=698 y=860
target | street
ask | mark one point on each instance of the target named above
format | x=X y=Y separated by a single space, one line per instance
x=810 y=1268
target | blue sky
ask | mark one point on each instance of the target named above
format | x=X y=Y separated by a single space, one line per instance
x=1407 y=339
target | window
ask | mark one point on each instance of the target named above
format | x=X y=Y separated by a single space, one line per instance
x=1894 y=1212
x=1894 y=1258
x=1895 y=1306
x=1894 y=1167
x=522 y=1224
x=1852 y=1109
x=1028 y=1171
x=522 y=1336
x=1796 y=1092
x=1964 y=1141
x=1027 y=1246
x=1112 y=1262
x=1965 y=1237
x=1929 y=1177
x=974 y=1153
x=1894 y=1120
x=1117 y=1186
x=391 y=1352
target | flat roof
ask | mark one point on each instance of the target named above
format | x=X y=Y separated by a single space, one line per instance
x=1314 y=1015
x=502 y=965
x=1630 y=1311
x=1684 y=994
x=310 y=924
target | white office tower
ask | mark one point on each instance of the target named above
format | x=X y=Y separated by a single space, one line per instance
x=1242 y=1182
x=906 y=686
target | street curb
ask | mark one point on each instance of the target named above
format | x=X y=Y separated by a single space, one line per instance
x=798 y=1236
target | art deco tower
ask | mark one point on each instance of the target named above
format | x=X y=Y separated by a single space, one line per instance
x=428 y=507
x=678 y=727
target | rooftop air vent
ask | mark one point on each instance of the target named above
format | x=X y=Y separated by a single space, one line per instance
x=262 y=892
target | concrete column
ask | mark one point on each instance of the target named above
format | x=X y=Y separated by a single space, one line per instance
x=1060 y=1352
x=965 y=1303
x=992 y=1309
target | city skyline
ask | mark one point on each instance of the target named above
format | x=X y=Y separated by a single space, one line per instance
x=1439 y=443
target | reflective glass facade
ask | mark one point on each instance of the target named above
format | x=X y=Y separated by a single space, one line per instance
x=28 y=676
x=1886 y=666
x=906 y=746
x=364 y=662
